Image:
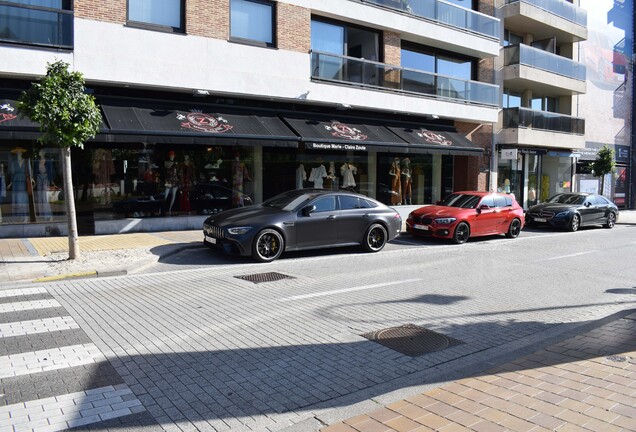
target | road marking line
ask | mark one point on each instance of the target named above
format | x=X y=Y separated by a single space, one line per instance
x=28 y=305
x=346 y=290
x=569 y=256
x=43 y=325
x=22 y=292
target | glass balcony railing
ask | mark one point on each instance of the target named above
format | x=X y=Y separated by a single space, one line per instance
x=561 y=8
x=533 y=57
x=365 y=73
x=542 y=120
x=445 y=13
x=35 y=25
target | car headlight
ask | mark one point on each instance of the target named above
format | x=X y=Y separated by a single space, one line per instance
x=562 y=214
x=445 y=221
x=239 y=230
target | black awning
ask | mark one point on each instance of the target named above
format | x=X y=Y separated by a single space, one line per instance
x=344 y=134
x=163 y=122
x=442 y=142
x=12 y=126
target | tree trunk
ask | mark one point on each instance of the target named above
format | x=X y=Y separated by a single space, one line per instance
x=69 y=199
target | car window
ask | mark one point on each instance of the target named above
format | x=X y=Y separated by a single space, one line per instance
x=500 y=201
x=348 y=202
x=567 y=199
x=590 y=200
x=325 y=204
x=488 y=200
x=600 y=200
x=460 y=200
x=367 y=204
x=508 y=201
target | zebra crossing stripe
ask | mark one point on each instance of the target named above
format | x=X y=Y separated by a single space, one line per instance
x=28 y=305
x=44 y=325
x=22 y=292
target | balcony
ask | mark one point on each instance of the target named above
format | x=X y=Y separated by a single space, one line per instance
x=524 y=126
x=37 y=25
x=530 y=68
x=546 y=18
x=445 y=13
x=380 y=76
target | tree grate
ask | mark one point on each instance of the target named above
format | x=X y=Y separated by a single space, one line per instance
x=264 y=277
x=412 y=340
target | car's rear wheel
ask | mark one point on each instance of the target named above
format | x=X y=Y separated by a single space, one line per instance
x=611 y=220
x=575 y=223
x=375 y=238
x=461 y=234
x=514 y=229
x=268 y=245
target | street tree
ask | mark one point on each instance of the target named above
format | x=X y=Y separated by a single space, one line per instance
x=67 y=117
x=603 y=164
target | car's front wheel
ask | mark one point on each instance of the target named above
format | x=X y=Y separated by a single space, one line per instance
x=514 y=229
x=268 y=245
x=575 y=223
x=461 y=234
x=611 y=220
x=375 y=238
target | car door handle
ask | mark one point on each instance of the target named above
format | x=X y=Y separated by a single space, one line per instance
x=366 y=215
x=331 y=217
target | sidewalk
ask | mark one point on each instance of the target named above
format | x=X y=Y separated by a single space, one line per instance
x=586 y=382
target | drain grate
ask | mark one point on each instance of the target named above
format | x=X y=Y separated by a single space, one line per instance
x=264 y=277
x=411 y=340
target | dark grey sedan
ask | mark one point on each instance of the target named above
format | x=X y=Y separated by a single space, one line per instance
x=573 y=210
x=303 y=219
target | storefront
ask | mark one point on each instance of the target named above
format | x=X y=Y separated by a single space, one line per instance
x=534 y=175
x=161 y=159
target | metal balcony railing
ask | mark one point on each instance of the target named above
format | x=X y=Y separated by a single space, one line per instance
x=370 y=74
x=37 y=25
x=542 y=120
x=534 y=57
x=561 y=8
x=445 y=13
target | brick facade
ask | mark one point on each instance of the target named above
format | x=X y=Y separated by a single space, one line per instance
x=477 y=167
x=293 y=27
x=110 y=11
x=208 y=18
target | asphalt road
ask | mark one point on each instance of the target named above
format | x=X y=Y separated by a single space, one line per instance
x=267 y=355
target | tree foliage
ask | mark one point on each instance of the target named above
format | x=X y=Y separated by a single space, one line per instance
x=604 y=163
x=67 y=115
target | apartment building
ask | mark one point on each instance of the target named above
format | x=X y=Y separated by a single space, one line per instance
x=213 y=104
x=541 y=132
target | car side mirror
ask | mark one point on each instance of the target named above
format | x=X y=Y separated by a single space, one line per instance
x=482 y=207
x=308 y=210
x=587 y=204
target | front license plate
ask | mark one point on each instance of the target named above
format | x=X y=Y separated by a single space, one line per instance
x=210 y=239
x=540 y=220
x=421 y=227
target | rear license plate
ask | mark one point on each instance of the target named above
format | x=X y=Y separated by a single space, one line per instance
x=421 y=227
x=210 y=239
x=540 y=220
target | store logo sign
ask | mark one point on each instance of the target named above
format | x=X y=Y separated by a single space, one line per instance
x=204 y=122
x=508 y=154
x=341 y=130
x=6 y=112
x=433 y=138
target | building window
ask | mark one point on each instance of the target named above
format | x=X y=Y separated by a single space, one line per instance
x=434 y=61
x=167 y=15
x=341 y=39
x=46 y=22
x=252 y=21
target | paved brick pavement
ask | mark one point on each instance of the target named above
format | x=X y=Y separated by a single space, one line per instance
x=587 y=382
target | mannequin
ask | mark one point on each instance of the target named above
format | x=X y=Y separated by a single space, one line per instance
x=172 y=181
x=187 y=180
x=406 y=181
x=18 y=184
x=104 y=168
x=239 y=176
x=43 y=181
x=301 y=176
x=396 y=187
x=318 y=174
x=3 y=187
x=347 y=170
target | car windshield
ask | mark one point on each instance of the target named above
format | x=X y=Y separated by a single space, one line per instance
x=567 y=199
x=289 y=201
x=460 y=200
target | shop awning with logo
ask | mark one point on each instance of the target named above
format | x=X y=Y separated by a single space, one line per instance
x=192 y=124
x=12 y=126
x=440 y=142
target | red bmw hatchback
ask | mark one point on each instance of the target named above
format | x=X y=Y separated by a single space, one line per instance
x=468 y=214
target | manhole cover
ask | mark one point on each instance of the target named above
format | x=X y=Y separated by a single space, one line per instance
x=411 y=340
x=264 y=277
